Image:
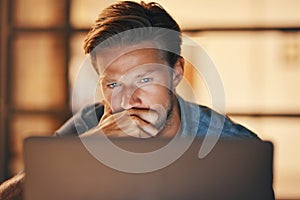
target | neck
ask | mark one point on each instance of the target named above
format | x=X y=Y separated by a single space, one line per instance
x=172 y=125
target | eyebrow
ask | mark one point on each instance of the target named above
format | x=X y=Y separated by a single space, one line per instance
x=106 y=79
x=109 y=79
x=145 y=74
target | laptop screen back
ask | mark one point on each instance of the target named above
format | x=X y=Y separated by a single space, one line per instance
x=62 y=168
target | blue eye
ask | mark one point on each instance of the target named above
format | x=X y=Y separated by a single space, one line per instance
x=146 y=80
x=113 y=85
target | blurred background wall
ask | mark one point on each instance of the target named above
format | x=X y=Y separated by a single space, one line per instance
x=254 y=44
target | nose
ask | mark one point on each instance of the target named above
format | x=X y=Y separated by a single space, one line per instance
x=130 y=97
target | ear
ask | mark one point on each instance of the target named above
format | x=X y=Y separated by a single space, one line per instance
x=178 y=70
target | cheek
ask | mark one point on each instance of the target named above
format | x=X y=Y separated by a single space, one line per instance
x=155 y=94
x=111 y=100
x=106 y=94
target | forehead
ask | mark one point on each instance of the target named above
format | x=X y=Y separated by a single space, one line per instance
x=119 y=60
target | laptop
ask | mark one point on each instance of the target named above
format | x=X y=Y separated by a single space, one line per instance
x=71 y=168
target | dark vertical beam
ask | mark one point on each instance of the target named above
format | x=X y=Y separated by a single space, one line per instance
x=9 y=81
x=3 y=99
x=68 y=52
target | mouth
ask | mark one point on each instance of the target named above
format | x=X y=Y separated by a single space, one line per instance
x=148 y=115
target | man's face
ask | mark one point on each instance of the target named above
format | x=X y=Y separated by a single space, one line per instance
x=137 y=79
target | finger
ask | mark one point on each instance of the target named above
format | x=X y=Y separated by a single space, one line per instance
x=130 y=125
x=147 y=115
x=147 y=129
x=119 y=124
x=122 y=124
x=117 y=119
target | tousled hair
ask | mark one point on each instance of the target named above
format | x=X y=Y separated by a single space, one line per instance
x=127 y=23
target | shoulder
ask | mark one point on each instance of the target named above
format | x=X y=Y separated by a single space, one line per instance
x=204 y=121
x=84 y=120
x=211 y=120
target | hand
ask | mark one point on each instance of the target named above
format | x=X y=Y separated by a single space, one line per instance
x=12 y=189
x=133 y=122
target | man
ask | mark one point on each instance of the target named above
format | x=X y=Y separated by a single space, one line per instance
x=135 y=48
